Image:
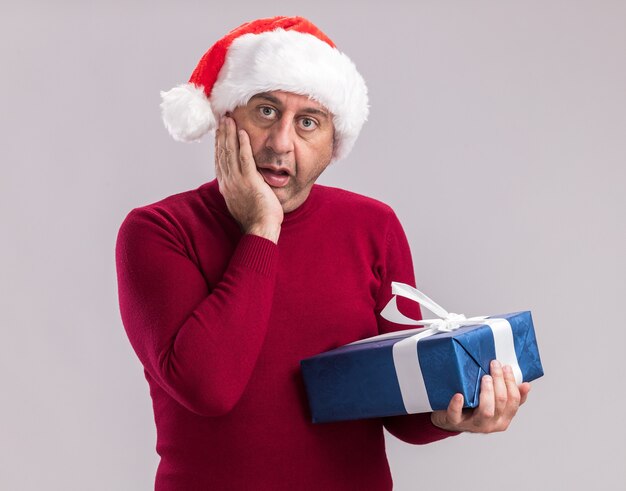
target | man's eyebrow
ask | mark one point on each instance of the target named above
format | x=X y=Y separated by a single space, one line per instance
x=276 y=101
x=269 y=97
x=312 y=110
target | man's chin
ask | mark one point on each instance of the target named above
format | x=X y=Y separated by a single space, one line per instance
x=291 y=202
x=284 y=200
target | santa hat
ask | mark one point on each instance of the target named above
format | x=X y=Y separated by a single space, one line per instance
x=278 y=53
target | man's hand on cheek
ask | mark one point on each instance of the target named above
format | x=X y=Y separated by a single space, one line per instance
x=248 y=197
x=500 y=398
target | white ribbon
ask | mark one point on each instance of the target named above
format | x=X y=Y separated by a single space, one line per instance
x=406 y=362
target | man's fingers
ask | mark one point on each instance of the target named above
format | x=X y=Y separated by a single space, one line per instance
x=486 y=402
x=524 y=389
x=246 y=158
x=494 y=389
x=220 y=149
x=454 y=414
x=231 y=146
x=513 y=392
x=218 y=169
x=500 y=388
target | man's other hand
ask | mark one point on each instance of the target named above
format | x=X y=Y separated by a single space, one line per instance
x=249 y=198
x=500 y=398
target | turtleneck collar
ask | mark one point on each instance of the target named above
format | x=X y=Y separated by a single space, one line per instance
x=211 y=190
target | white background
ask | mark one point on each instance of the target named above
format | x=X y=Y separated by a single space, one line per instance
x=497 y=132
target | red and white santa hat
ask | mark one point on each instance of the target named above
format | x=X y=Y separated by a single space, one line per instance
x=278 y=53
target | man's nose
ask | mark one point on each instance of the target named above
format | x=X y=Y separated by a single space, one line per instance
x=281 y=136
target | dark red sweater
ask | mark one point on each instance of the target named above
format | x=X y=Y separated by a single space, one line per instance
x=220 y=322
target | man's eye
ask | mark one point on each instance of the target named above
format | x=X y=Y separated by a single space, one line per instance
x=308 y=123
x=266 y=112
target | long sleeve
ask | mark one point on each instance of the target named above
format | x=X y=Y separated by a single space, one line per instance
x=199 y=345
x=412 y=428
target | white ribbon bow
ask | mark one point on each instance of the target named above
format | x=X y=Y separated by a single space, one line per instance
x=405 y=359
x=447 y=322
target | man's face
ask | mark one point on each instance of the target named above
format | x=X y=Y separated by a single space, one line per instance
x=292 y=142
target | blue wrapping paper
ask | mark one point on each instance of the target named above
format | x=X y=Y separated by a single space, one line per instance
x=359 y=381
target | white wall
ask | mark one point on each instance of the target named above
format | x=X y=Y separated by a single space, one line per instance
x=497 y=132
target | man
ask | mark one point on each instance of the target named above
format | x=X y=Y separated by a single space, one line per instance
x=225 y=288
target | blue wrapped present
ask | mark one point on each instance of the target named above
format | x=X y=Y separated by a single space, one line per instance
x=418 y=370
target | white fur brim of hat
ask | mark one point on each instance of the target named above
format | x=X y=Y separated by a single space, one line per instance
x=277 y=60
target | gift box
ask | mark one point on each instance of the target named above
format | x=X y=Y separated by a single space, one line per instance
x=418 y=370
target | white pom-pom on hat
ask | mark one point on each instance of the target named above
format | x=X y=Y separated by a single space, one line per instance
x=187 y=112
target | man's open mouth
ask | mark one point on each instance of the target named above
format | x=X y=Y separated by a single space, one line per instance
x=275 y=178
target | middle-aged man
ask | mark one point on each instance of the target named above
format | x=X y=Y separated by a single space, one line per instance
x=225 y=288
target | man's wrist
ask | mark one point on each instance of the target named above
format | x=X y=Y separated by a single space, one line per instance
x=269 y=232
